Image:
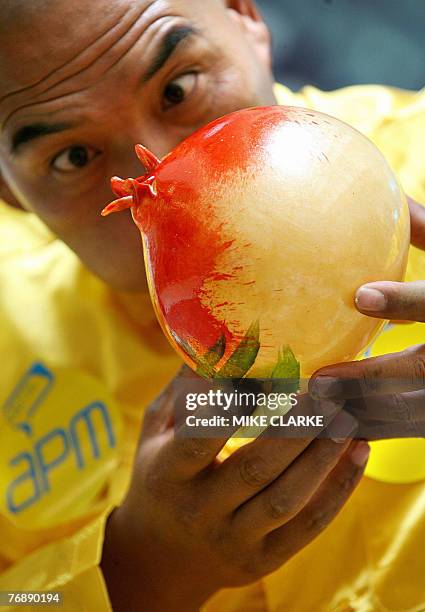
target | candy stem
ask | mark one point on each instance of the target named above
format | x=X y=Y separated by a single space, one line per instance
x=129 y=191
x=148 y=159
x=132 y=191
x=117 y=205
x=120 y=187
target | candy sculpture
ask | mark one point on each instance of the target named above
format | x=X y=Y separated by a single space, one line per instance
x=257 y=231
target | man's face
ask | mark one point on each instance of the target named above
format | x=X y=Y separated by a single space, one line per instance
x=82 y=82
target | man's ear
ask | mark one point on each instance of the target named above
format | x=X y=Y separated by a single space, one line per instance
x=7 y=196
x=246 y=13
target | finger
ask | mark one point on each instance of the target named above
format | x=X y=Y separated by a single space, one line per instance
x=391 y=431
x=394 y=408
x=190 y=450
x=392 y=373
x=193 y=448
x=159 y=414
x=287 y=495
x=257 y=464
x=183 y=458
x=417 y=223
x=390 y=416
x=396 y=301
x=325 y=504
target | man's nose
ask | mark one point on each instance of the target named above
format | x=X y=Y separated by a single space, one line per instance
x=126 y=161
x=156 y=136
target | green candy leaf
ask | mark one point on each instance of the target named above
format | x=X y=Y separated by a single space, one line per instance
x=243 y=357
x=287 y=367
x=207 y=362
x=185 y=346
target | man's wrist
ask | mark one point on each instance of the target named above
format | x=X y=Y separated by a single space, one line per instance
x=140 y=576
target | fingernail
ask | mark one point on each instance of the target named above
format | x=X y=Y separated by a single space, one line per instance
x=371 y=299
x=342 y=427
x=325 y=387
x=360 y=454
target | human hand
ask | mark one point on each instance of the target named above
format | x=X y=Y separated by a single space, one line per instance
x=191 y=525
x=398 y=301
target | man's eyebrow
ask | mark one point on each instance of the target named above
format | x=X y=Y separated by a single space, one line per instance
x=28 y=133
x=167 y=47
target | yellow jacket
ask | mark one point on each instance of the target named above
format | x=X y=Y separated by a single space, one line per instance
x=80 y=364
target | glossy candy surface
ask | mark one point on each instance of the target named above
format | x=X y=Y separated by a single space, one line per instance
x=257 y=230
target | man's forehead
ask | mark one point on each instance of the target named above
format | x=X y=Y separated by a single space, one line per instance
x=43 y=34
x=47 y=70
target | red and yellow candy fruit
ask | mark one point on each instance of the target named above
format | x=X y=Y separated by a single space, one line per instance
x=257 y=231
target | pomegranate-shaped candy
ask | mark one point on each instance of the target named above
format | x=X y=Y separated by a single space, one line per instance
x=257 y=230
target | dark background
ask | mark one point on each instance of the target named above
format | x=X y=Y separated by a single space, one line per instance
x=333 y=43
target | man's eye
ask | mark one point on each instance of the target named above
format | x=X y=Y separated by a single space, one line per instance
x=178 y=90
x=74 y=158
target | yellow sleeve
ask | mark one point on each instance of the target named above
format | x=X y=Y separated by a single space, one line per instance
x=69 y=565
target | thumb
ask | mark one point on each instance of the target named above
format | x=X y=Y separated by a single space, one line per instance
x=159 y=415
x=396 y=301
x=417 y=222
